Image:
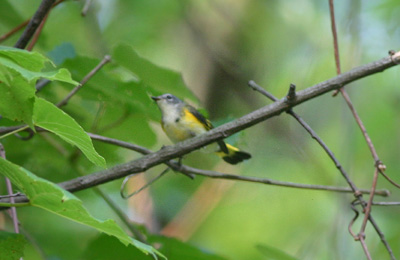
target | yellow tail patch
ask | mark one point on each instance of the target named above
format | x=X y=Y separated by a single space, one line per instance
x=234 y=155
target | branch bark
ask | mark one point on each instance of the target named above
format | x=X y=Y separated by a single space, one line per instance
x=257 y=116
x=34 y=23
x=264 y=113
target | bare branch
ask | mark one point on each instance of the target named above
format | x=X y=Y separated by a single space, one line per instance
x=182 y=148
x=33 y=24
x=14 y=30
x=13 y=211
x=104 y=61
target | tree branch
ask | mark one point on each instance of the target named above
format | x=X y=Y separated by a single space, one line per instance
x=182 y=148
x=105 y=60
x=33 y=24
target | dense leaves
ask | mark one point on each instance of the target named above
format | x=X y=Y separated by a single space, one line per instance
x=19 y=71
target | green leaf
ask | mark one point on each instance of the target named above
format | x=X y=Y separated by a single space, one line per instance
x=99 y=249
x=17 y=98
x=11 y=246
x=175 y=249
x=19 y=70
x=161 y=79
x=28 y=71
x=31 y=61
x=53 y=119
x=49 y=196
x=273 y=253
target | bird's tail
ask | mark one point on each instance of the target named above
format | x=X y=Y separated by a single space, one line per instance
x=233 y=155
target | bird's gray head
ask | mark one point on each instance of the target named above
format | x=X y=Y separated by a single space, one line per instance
x=167 y=101
x=167 y=98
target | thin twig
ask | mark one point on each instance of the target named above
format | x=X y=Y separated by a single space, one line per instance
x=314 y=135
x=104 y=61
x=13 y=211
x=35 y=37
x=22 y=25
x=369 y=204
x=143 y=187
x=379 y=166
x=212 y=174
x=365 y=248
x=10 y=195
x=138 y=235
x=33 y=24
x=357 y=192
x=86 y=7
x=356 y=214
x=386 y=203
x=14 y=30
x=335 y=38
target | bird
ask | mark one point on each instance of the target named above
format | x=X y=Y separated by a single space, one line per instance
x=181 y=121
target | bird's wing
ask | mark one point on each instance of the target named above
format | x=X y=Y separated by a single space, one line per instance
x=207 y=125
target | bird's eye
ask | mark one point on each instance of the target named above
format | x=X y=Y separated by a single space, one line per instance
x=169 y=97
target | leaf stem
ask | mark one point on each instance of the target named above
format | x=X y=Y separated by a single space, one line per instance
x=9 y=205
x=15 y=131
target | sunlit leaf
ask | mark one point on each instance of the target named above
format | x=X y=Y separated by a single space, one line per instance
x=53 y=119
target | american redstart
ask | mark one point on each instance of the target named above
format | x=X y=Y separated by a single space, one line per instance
x=181 y=121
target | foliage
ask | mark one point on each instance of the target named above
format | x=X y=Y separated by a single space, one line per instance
x=214 y=47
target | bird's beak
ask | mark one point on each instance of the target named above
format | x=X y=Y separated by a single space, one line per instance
x=155 y=98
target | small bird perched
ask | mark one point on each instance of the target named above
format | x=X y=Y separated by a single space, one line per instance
x=181 y=121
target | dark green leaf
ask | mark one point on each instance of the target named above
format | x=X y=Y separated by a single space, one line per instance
x=178 y=250
x=99 y=249
x=17 y=98
x=11 y=246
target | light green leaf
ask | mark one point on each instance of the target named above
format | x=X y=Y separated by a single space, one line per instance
x=53 y=119
x=30 y=60
x=49 y=196
x=26 y=71
x=19 y=70
x=11 y=246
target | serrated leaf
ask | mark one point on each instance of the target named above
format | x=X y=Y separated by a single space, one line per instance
x=53 y=119
x=162 y=79
x=30 y=75
x=30 y=60
x=49 y=196
x=19 y=70
x=11 y=246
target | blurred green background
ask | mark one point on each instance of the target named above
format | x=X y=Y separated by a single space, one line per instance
x=218 y=46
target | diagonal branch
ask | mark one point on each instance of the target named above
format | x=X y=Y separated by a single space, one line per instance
x=255 y=117
x=34 y=23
